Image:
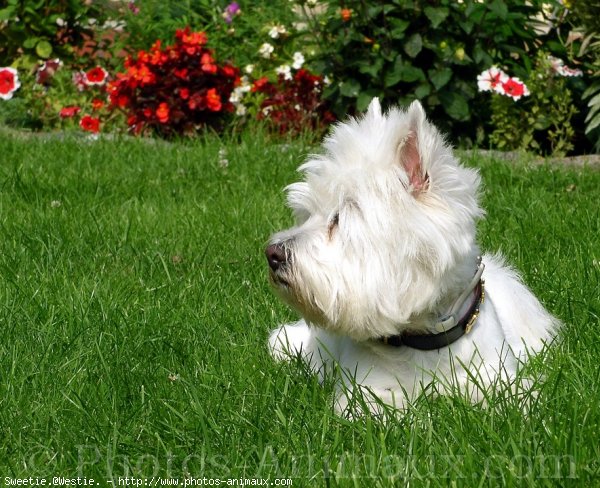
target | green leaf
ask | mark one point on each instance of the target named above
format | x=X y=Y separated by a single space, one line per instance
x=31 y=42
x=440 y=77
x=397 y=28
x=7 y=13
x=402 y=71
x=590 y=90
x=480 y=56
x=350 y=88
x=499 y=8
x=595 y=122
x=467 y=26
x=43 y=49
x=374 y=11
x=365 y=97
x=413 y=45
x=436 y=15
x=595 y=100
x=422 y=90
x=455 y=105
x=411 y=73
x=373 y=68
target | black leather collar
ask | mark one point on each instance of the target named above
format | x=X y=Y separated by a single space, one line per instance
x=429 y=342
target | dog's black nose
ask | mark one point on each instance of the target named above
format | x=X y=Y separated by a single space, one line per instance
x=276 y=256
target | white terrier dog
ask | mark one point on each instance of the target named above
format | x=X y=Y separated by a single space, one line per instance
x=384 y=267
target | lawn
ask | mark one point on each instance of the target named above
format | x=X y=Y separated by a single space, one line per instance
x=135 y=309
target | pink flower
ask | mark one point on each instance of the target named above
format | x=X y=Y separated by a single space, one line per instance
x=491 y=80
x=133 y=7
x=515 y=88
x=46 y=71
x=561 y=69
x=79 y=80
x=9 y=82
x=231 y=11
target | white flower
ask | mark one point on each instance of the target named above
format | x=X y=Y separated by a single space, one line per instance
x=284 y=70
x=326 y=81
x=61 y=22
x=298 y=60
x=116 y=25
x=236 y=96
x=238 y=93
x=276 y=31
x=223 y=161
x=266 y=50
x=240 y=109
x=491 y=80
x=245 y=85
x=249 y=68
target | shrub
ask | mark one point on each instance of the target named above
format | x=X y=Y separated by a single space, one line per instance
x=51 y=96
x=584 y=40
x=432 y=51
x=175 y=89
x=294 y=102
x=534 y=116
x=45 y=29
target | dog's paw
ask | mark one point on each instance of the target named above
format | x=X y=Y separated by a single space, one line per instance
x=288 y=341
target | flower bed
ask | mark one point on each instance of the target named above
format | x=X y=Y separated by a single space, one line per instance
x=300 y=68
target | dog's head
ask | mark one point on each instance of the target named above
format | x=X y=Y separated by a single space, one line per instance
x=385 y=216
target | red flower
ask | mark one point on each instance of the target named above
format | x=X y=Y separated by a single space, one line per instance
x=119 y=100
x=193 y=38
x=514 y=88
x=168 y=90
x=97 y=104
x=346 y=14
x=142 y=74
x=213 y=100
x=260 y=84
x=9 y=82
x=192 y=42
x=181 y=73
x=230 y=71
x=90 y=124
x=196 y=101
x=68 y=112
x=95 y=76
x=162 y=113
x=208 y=64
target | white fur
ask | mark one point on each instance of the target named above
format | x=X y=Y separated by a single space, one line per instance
x=400 y=251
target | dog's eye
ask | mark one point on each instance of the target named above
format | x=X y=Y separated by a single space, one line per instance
x=333 y=223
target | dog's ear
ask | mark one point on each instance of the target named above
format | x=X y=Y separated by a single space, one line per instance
x=409 y=154
x=374 y=109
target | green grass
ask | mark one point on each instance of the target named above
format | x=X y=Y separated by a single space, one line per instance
x=134 y=310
